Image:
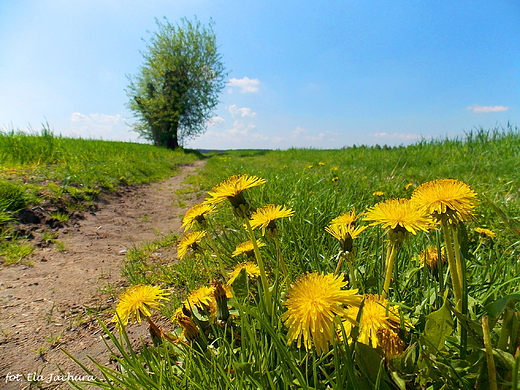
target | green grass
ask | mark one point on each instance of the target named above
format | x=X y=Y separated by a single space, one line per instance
x=445 y=345
x=71 y=162
x=45 y=169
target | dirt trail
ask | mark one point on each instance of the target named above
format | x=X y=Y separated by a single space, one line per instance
x=48 y=304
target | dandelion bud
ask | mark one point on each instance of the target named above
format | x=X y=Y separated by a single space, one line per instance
x=221 y=299
x=189 y=329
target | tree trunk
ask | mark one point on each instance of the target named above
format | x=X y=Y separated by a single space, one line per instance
x=172 y=142
x=169 y=136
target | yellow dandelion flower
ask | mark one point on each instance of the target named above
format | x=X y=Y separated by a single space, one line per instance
x=334 y=169
x=190 y=332
x=446 y=199
x=137 y=302
x=378 y=323
x=348 y=218
x=486 y=232
x=313 y=302
x=390 y=342
x=378 y=193
x=335 y=179
x=232 y=189
x=200 y=297
x=430 y=257
x=399 y=215
x=197 y=214
x=181 y=311
x=251 y=269
x=265 y=217
x=406 y=187
x=228 y=290
x=189 y=241
x=321 y=163
x=310 y=166
x=345 y=234
x=246 y=248
x=203 y=299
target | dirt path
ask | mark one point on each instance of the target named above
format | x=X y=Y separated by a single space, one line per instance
x=47 y=306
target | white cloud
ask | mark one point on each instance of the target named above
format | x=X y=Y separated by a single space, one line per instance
x=244 y=84
x=485 y=109
x=100 y=126
x=300 y=133
x=241 y=128
x=241 y=112
x=104 y=118
x=215 y=121
x=319 y=137
x=242 y=134
x=396 y=136
x=77 y=117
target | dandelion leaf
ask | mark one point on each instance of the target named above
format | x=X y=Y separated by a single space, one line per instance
x=496 y=308
x=241 y=285
x=462 y=233
x=369 y=362
x=439 y=325
x=407 y=361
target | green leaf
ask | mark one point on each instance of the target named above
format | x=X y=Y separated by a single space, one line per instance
x=407 y=361
x=241 y=285
x=496 y=308
x=505 y=357
x=510 y=223
x=369 y=361
x=400 y=382
x=439 y=325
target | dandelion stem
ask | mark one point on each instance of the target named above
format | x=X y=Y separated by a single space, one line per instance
x=458 y=259
x=341 y=259
x=280 y=256
x=452 y=263
x=391 y=255
x=349 y=258
x=492 y=372
x=505 y=332
x=259 y=260
x=352 y=271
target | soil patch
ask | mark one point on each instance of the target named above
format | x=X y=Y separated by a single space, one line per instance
x=52 y=304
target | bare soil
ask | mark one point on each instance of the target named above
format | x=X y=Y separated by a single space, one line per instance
x=52 y=305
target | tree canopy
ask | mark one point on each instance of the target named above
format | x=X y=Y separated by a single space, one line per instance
x=176 y=89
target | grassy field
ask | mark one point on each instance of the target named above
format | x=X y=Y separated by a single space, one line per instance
x=68 y=174
x=365 y=309
x=281 y=326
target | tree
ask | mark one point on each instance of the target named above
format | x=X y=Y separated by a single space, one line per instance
x=176 y=89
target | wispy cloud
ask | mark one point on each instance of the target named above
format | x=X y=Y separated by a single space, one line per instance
x=242 y=134
x=100 y=126
x=300 y=133
x=241 y=112
x=78 y=117
x=215 y=121
x=397 y=136
x=485 y=109
x=244 y=85
x=242 y=124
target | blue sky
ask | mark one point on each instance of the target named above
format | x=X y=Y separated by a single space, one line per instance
x=301 y=73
